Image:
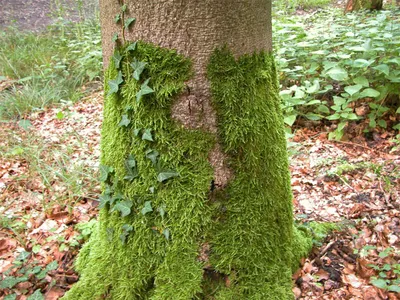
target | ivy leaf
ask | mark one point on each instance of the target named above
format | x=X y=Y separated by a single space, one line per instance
x=144 y=90
x=126 y=229
x=114 y=37
x=166 y=233
x=117 y=197
x=128 y=22
x=117 y=57
x=37 y=295
x=138 y=66
x=52 y=266
x=147 y=208
x=161 y=210
x=104 y=199
x=23 y=256
x=117 y=18
x=125 y=121
x=152 y=155
x=380 y=283
x=136 y=131
x=131 y=47
x=10 y=297
x=114 y=84
x=147 y=135
x=151 y=189
x=124 y=207
x=10 y=281
x=131 y=168
x=104 y=172
x=394 y=288
x=123 y=8
x=165 y=175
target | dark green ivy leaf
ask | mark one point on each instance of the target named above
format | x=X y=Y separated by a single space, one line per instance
x=147 y=135
x=10 y=281
x=161 y=210
x=126 y=229
x=124 y=121
x=114 y=84
x=151 y=189
x=138 y=67
x=166 y=233
x=117 y=18
x=131 y=47
x=117 y=57
x=124 y=207
x=147 y=208
x=128 y=22
x=136 y=131
x=131 y=168
x=152 y=155
x=123 y=8
x=37 y=295
x=52 y=266
x=104 y=172
x=11 y=297
x=144 y=90
x=165 y=175
x=117 y=197
x=104 y=199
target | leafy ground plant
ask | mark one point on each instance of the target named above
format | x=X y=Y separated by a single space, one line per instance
x=341 y=69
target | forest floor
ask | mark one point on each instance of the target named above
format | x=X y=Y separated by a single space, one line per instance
x=35 y=15
x=48 y=184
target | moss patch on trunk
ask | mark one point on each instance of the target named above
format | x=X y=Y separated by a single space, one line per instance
x=160 y=213
x=252 y=238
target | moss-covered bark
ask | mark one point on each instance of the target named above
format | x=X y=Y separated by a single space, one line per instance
x=181 y=238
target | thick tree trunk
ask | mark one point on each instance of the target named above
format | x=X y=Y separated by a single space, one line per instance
x=197 y=200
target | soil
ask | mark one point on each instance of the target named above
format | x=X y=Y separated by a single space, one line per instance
x=36 y=15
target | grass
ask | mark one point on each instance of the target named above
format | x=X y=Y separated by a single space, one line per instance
x=48 y=67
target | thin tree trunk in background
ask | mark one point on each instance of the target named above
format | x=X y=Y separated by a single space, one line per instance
x=364 y=4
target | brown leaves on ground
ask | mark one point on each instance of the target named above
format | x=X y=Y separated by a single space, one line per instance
x=357 y=185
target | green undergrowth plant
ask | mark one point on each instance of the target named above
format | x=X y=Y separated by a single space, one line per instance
x=49 y=66
x=331 y=65
x=25 y=269
x=289 y=6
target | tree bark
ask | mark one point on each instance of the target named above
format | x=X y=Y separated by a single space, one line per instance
x=197 y=199
x=364 y=4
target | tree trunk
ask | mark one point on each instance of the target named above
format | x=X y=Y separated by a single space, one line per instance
x=197 y=199
x=364 y=4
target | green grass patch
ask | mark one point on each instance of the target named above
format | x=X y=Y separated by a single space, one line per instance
x=48 y=67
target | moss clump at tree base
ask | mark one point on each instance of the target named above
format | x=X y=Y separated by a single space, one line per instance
x=158 y=213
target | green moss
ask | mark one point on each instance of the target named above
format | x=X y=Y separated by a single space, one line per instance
x=249 y=224
x=253 y=233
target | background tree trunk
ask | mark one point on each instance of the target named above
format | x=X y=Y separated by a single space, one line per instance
x=364 y=4
x=197 y=198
